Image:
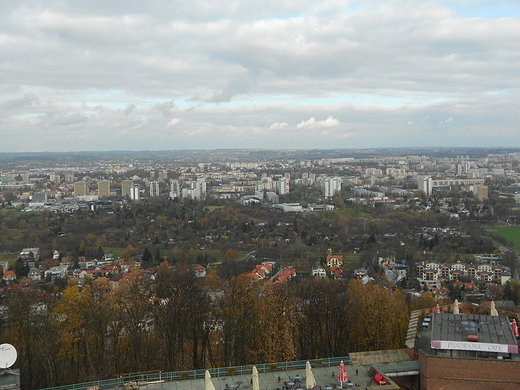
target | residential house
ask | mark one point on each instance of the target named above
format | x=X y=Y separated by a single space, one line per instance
x=200 y=271
x=35 y=274
x=9 y=276
x=59 y=271
x=334 y=261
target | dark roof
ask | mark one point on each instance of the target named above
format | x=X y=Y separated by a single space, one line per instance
x=457 y=328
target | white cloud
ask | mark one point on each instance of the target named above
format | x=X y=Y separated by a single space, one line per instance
x=312 y=123
x=448 y=120
x=279 y=126
x=173 y=122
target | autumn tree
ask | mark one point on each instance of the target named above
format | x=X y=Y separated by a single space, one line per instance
x=231 y=254
x=277 y=324
x=239 y=318
x=180 y=309
x=381 y=316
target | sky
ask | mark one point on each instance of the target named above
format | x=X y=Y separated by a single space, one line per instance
x=95 y=75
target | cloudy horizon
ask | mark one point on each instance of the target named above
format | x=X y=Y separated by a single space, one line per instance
x=135 y=75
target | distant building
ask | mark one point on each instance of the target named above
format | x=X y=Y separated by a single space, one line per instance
x=80 y=188
x=125 y=188
x=482 y=193
x=154 y=188
x=425 y=185
x=283 y=186
x=54 y=178
x=289 y=207
x=331 y=185
x=103 y=188
x=333 y=261
x=430 y=274
x=69 y=177
x=175 y=189
x=271 y=197
x=134 y=193
x=319 y=273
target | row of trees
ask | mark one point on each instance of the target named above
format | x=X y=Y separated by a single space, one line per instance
x=171 y=322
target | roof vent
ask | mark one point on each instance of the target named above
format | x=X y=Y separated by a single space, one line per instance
x=472 y=337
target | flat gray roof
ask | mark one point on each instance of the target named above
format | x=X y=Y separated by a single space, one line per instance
x=451 y=331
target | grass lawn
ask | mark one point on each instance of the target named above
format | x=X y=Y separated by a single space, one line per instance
x=511 y=234
x=116 y=251
x=351 y=260
x=16 y=213
x=212 y=208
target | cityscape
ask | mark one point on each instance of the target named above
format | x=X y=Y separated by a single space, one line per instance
x=244 y=195
x=286 y=256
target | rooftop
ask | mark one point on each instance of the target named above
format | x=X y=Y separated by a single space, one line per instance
x=453 y=331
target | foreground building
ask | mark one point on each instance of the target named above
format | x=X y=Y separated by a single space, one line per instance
x=464 y=351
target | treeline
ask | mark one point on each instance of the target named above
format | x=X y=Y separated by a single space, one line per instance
x=169 y=321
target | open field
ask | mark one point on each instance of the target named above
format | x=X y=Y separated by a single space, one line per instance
x=351 y=260
x=117 y=252
x=16 y=213
x=511 y=234
x=212 y=208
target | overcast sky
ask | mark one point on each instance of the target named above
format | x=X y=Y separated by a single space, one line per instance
x=284 y=74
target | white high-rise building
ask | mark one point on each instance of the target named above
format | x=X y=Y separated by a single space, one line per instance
x=134 y=192
x=425 y=184
x=331 y=185
x=283 y=186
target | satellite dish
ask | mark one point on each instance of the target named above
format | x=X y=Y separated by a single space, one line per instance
x=8 y=356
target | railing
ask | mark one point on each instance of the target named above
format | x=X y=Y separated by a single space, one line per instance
x=151 y=377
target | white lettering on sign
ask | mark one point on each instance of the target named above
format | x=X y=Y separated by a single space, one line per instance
x=474 y=346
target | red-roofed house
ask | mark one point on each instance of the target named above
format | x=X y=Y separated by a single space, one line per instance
x=441 y=293
x=9 y=276
x=286 y=275
x=334 y=261
x=200 y=271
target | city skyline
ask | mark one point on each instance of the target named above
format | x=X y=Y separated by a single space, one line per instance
x=79 y=76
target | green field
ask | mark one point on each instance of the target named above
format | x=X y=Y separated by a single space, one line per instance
x=117 y=252
x=351 y=260
x=511 y=234
x=16 y=213
x=212 y=208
